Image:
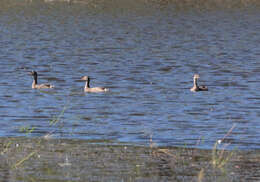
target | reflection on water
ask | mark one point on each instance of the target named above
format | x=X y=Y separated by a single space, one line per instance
x=146 y=56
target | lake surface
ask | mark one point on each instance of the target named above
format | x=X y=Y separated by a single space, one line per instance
x=146 y=54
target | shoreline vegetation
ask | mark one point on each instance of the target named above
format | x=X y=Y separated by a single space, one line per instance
x=51 y=159
x=41 y=159
x=201 y=4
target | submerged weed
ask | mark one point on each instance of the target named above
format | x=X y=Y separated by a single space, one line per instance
x=27 y=129
x=57 y=119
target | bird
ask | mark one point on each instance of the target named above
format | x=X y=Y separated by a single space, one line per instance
x=35 y=84
x=196 y=87
x=87 y=88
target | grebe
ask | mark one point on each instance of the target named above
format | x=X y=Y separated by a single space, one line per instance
x=196 y=87
x=35 y=84
x=94 y=89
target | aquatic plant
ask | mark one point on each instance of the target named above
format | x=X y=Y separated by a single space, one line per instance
x=219 y=158
x=29 y=130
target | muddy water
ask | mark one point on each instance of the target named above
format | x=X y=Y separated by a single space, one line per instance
x=146 y=54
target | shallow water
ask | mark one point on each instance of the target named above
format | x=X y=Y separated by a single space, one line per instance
x=30 y=159
x=146 y=56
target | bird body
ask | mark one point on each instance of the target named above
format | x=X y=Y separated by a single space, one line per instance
x=35 y=84
x=87 y=88
x=196 y=87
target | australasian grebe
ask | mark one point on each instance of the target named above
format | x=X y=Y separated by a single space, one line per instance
x=35 y=84
x=196 y=87
x=94 y=89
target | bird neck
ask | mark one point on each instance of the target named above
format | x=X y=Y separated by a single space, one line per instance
x=87 y=84
x=195 y=82
x=34 y=83
x=35 y=80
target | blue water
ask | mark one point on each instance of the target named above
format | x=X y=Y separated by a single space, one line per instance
x=146 y=56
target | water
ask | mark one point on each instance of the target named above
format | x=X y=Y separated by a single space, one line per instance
x=146 y=54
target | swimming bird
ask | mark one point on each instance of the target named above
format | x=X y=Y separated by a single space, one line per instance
x=35 y=84
x=196 y=87
x=93 y=89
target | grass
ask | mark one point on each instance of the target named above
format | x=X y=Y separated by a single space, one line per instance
x=28 y=130
x=64 y=157
x=79 y=160
x=211 y=167
x=219 y=159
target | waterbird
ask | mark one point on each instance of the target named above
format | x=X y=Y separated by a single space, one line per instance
x=196 y=87
x=35 y=84
x=87 y=88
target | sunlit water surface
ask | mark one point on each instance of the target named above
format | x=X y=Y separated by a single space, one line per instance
x=146 y=55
